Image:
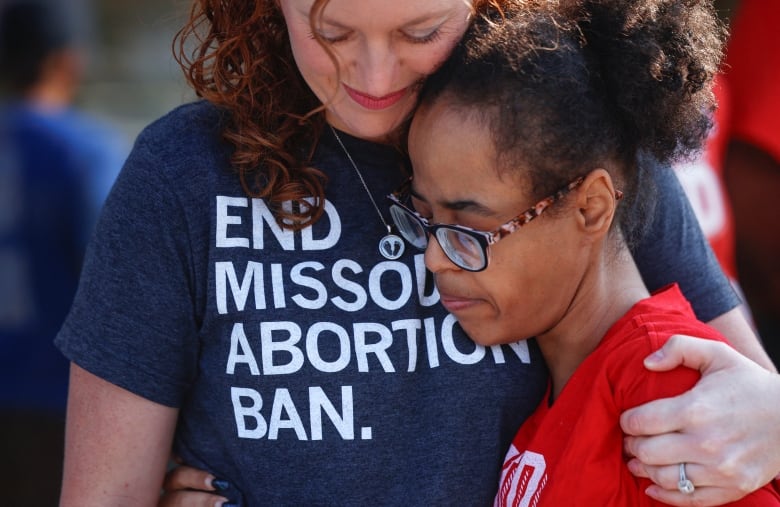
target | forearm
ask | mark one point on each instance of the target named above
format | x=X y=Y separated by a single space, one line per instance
x=735 y=327
x=116 y=445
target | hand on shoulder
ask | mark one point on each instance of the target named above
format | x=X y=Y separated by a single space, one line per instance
x=726 y=429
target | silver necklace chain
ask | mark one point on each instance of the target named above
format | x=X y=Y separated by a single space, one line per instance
x=390 y=246
x=360 y=175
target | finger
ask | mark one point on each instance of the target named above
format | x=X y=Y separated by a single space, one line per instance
x=664 y=449
x=192 y=499
x=656 y=417
x=668 y=476
x=735 y=475
x=184 y=477
x=707 y=496
x=684 y=350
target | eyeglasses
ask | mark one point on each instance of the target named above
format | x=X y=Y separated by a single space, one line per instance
x=465 y=247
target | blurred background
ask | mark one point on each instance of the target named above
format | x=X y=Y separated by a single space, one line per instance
x=130 y=78
x=79 y=79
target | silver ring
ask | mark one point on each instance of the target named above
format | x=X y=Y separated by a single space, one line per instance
x=684 y=485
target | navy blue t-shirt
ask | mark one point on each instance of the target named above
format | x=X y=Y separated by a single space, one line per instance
x=308 y=369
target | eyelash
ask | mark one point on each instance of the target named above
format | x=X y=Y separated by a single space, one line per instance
x=431 y=37
x=330 y=40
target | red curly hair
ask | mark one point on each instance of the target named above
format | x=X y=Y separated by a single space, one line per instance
x=237 y=56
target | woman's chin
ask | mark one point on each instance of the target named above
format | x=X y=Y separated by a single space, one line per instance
x=481 y=336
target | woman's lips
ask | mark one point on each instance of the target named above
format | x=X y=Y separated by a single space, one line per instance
x=454 y=304
x=375 y=103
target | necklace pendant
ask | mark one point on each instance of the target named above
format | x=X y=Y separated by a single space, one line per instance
x=391 y=247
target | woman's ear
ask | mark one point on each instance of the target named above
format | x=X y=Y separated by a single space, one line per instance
x=596 y=203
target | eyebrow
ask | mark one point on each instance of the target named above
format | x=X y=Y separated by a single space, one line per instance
x=438 y=17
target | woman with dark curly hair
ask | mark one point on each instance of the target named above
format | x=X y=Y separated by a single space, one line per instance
x=558 y=107
x=246 y=301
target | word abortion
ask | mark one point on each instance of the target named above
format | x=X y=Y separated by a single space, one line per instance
x=281 y=351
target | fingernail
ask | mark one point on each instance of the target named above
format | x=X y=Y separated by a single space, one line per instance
x=655 y=357
x=652 y=491
x=220 y=484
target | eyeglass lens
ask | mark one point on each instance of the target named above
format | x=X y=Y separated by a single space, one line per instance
x=460 y=248
x=410 y=227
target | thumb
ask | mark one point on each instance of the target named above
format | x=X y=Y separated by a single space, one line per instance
x=683 y=350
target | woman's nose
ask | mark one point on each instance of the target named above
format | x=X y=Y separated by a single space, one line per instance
x=378 y=65
x=435 y=258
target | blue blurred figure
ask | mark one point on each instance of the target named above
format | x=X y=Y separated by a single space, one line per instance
x=56 y=166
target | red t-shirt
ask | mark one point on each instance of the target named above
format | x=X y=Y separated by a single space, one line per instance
x=753 y=73
x=571 y=453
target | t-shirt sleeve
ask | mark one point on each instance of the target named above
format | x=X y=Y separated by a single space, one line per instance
x=674 y=249
x=133 y=320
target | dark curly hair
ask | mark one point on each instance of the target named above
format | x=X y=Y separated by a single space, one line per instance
x=237 y=55
x=568 y=86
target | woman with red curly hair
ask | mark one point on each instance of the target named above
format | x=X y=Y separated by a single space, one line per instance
x=246 y=302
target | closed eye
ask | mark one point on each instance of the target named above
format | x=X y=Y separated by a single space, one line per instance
x=331 y=38
x=423 y=39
